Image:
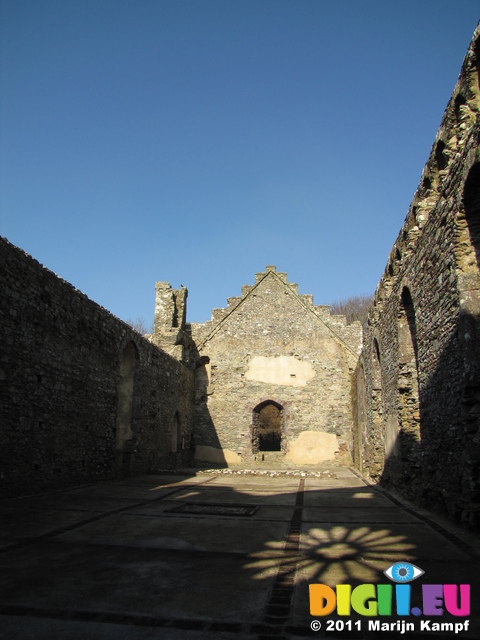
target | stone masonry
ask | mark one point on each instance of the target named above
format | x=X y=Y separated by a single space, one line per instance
x=417 y=386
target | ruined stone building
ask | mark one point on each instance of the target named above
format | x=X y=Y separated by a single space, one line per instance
x=272 y=374
x=272 y=378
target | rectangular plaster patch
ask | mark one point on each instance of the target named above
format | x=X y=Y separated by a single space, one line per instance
x=285 y=370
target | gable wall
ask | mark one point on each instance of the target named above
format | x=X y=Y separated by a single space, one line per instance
x=272 y=344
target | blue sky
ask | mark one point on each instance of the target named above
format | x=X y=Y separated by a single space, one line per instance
x=199 y=141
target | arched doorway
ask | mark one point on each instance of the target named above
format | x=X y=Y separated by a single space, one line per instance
x=268 y=427
x=468 y=244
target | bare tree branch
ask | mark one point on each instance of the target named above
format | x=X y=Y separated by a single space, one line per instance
x=354 y=308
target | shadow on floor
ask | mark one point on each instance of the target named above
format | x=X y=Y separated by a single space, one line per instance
x=213 y=555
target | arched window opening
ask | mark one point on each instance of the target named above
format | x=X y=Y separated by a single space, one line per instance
x=377 y=371
x=409 y=401
x=408 y=308
x=359 y=434
x=124 y=441
x=377 y=448
x=176 y=435
x=202 y=378
x=415 y=214
x=267 y=426
x=426 y=184
x=460 y=107
x=441 y=157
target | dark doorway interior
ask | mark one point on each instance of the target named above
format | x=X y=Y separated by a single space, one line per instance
x=269 y=429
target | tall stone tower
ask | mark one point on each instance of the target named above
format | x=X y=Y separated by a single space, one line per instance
x=169 y=327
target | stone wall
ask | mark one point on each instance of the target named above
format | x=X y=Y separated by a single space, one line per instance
x=82 y=395
x=417 y=386
x=272 y=346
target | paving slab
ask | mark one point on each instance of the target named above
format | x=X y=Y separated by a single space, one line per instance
x=84 y=501
x=113 y=561
x=161 y=583
x=230 y=535
x=371 y=515
x=230 y=496
x=17 y=523
x=278 y=513
x=22 y=628
x=352 y=498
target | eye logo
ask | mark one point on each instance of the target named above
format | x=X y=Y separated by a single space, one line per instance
x=377 y=600
x=403 y=572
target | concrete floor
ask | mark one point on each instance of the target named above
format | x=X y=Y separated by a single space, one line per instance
x=115 y=560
